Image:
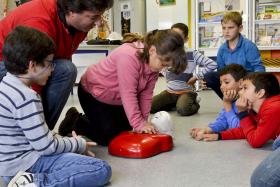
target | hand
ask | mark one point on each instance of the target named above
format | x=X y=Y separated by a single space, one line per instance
x=149 y=129
x=192 y=81
x=203 y=84
x=242 y=104
x=197 y=133
x=210 y=137
x=89 y=145
x=230 y=95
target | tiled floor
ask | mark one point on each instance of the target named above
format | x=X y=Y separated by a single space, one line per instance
x=191 y=163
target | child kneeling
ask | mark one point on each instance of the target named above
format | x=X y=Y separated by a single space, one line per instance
x=30 y=153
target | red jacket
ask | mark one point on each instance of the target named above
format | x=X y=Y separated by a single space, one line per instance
x=42 y=15
x=258 y=128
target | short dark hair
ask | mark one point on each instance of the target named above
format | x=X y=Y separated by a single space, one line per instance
x=266 y=81
x=79 y=6
x=183 y=27
x=24 y=44
x=235 y=70
x=168 y=44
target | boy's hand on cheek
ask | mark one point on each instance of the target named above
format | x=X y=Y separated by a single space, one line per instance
x=242 y=104
x=229 y=95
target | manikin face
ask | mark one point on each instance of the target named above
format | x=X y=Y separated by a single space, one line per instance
x=84 y=21
x=231 y=30
x=228 y=83
x=39 y=74
x=156 y=62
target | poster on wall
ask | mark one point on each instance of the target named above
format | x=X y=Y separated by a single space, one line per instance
x=167 y=2
x=125 y=17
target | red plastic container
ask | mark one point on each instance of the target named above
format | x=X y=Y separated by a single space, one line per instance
x=135 y=145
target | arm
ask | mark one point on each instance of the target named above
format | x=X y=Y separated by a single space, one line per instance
x=145 y=97
x=220 y=60
x=220 y=124
x=31 y=121
x=206 y=64
x=128 y=70
x=253 y=57
x=259 y=132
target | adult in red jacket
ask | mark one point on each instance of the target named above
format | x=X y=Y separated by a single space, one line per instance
x=259 y=109
x=67 y=23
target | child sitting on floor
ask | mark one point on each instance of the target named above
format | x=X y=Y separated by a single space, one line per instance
x=31 y=155
x=230 y=78
x=180 y=87
x=258 y=110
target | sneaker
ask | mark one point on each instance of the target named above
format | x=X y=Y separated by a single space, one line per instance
x=22 y=179
x=68 y=123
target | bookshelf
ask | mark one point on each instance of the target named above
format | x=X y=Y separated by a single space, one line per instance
x=266 y=35
x=208 y=22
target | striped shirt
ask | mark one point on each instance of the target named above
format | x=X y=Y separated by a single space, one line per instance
x=24 y=135
x=177 y=83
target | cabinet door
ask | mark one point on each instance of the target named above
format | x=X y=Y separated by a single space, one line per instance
x=209 y=14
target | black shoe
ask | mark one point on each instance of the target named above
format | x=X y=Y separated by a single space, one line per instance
x=69 y=122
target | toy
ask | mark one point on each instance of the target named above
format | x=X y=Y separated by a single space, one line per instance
x=135 y=145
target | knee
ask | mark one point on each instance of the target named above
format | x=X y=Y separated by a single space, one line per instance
x=104 y=174
x=188 y=110
x=65 y=68
x=210 y=78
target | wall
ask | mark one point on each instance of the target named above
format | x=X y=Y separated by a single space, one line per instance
x=162 y=17
x=11 y=5
x=138 y=18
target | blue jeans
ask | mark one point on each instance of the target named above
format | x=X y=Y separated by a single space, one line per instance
x=3 y=70
x=69 y=170
x=267 y=174
x=57 y=90
x=212 y=80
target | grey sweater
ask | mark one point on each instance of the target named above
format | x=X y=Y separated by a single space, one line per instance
x=24 y=135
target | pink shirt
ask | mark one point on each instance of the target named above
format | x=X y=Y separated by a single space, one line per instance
x=122 y=79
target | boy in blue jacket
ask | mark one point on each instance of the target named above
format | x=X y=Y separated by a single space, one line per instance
x=230 y=79
x=236 y=50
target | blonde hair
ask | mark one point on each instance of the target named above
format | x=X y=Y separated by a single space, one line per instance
x=132 y=37
x=233 y=16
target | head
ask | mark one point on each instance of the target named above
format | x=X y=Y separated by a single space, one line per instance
x=259 y=86
x=182 y=29
x=28 y=53
x=231 y=77
x=164 y=49
x=163 y=122
x=83 y=15
x=231 y=25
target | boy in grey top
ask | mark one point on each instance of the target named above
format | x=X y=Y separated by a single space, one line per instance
x=27 y=146
x=179 y=92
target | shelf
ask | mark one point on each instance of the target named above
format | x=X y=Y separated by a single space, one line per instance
x=268 y=47
x=266 y=21
x=208 y=23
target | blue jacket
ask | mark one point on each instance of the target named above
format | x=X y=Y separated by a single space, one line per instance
x=226 y=120
x=246 y=54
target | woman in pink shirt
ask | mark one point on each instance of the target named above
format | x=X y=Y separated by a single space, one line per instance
x=116 y=93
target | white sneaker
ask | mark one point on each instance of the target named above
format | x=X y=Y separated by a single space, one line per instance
x=22 y=179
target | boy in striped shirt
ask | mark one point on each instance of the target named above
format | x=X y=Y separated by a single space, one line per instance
x=180 y=88
x=31 y=155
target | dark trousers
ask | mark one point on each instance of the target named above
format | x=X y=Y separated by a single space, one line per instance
x=212 y=80
x=105 y=121
x=185 y=104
